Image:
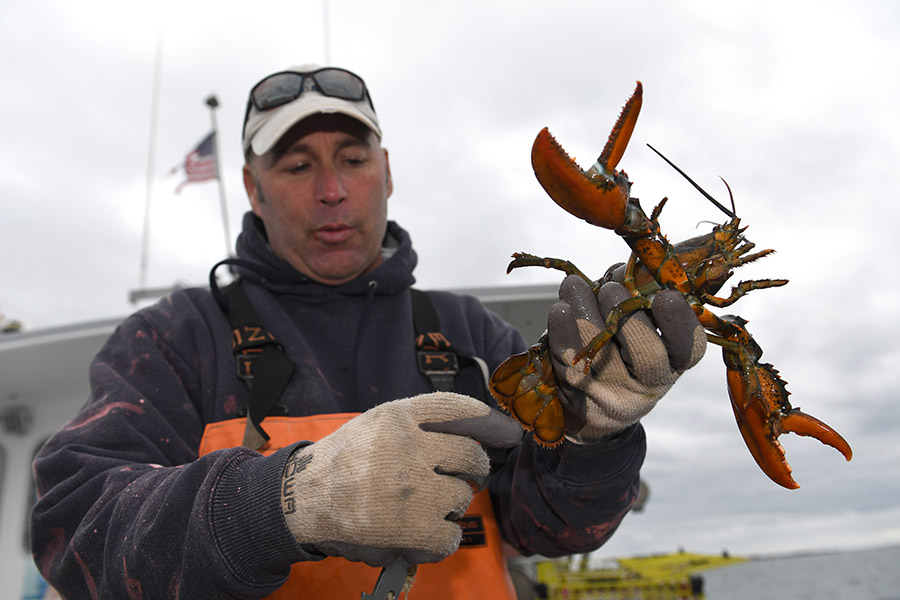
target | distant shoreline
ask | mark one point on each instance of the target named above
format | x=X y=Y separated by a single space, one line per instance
x=823 y=552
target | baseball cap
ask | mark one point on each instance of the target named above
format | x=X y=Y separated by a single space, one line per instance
x=283 y=99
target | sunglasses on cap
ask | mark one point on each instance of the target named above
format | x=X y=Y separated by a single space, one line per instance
x=281 y=88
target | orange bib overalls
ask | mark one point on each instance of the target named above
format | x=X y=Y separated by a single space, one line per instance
x=476 y=570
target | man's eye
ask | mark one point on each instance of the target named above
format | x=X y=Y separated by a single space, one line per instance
x=298 y=168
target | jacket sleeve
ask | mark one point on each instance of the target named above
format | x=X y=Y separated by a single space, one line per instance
x=125 y=506
x=568 y=499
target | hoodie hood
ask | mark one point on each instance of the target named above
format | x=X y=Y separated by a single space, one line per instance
x=394 y=274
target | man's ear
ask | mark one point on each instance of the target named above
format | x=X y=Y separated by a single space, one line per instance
x=388 y=179
x=252 y=189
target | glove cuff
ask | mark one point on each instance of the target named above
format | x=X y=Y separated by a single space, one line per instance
x=614 y=458
x=583 y=438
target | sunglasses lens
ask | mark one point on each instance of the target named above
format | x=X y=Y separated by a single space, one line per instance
x=277 y=90
x=340 y=84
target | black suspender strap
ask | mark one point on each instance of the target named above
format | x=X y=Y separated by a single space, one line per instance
x=437 y=359
x=261 y=363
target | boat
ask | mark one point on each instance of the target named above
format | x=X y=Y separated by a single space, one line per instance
x=674 y=576
x=43 y=382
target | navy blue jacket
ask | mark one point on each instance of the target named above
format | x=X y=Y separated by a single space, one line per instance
x=126 y=506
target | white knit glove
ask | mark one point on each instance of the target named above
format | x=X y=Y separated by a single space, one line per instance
x=633 y=370
x=393 y=480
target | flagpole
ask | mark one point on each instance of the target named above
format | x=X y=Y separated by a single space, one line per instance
x=326 y=32
x=151 y=154
x=212 y=102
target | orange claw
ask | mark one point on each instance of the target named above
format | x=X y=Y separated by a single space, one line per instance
x=622 y=130
x=600 y=194
x=761 y=408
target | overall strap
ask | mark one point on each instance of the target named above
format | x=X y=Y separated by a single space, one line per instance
x=437 y=359
x=261 y=363
x=440 y=362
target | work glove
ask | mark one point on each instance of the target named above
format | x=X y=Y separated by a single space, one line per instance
x=392 y=480
x=633 y=370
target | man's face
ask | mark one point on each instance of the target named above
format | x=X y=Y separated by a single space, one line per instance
x=322 y=194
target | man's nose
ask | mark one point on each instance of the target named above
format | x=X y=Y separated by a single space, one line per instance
x=329 y=187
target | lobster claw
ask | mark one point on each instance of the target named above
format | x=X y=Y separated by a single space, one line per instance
x=761 y=408
x=600 y=194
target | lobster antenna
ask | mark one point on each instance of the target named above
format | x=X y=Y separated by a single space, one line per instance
x=730 y=213
x=730 y=195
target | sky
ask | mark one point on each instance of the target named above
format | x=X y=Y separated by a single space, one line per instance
x=794 y=104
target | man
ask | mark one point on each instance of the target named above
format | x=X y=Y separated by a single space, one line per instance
x=173 y=482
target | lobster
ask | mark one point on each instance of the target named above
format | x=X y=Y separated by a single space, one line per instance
x=525 y=384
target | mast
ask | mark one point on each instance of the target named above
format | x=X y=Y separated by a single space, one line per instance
x=151 y=155
x=212 y=102
x=326 y=32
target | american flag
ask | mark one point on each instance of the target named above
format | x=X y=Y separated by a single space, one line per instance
x=200 y=164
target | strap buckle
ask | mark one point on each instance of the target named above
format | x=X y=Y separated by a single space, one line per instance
x=440 y=367
x=244 y=364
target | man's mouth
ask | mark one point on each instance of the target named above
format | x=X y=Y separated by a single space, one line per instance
x=333 y=234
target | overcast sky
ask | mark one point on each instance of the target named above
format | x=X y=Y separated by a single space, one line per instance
x=795 y=104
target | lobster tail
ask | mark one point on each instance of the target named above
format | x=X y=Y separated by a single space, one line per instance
x=524 y=385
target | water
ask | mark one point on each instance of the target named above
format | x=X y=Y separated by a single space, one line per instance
x=860 y=575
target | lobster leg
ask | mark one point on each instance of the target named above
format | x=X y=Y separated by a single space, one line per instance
x=615 y=317
x=523 y=259
x=614 y=321
x=741 y=289
x=628 y=279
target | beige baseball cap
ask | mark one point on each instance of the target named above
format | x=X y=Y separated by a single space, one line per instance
x=283 y=99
